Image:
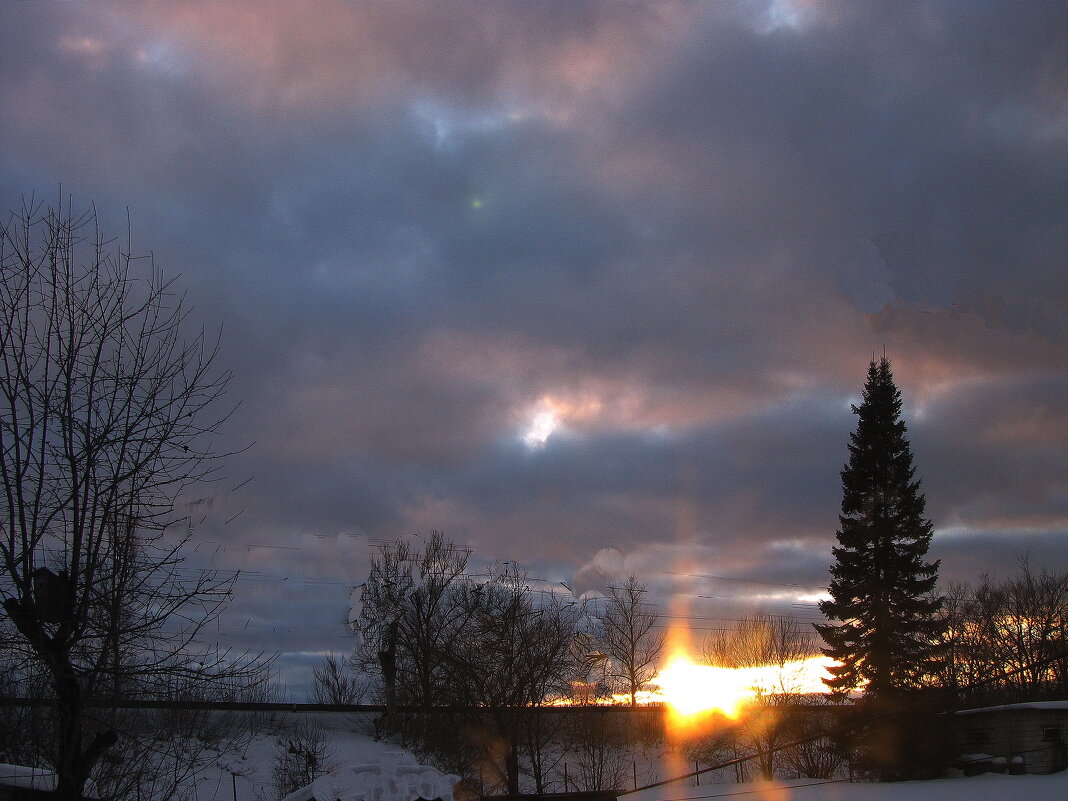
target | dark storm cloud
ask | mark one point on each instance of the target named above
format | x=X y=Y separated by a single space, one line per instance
x=889 y=128
x=999 y=553
x=740 y=478
x=680 y=229
x=994 y=456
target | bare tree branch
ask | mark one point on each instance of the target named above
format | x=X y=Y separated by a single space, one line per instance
x=107 y=414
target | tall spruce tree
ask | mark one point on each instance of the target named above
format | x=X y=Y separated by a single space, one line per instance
x=881 y=586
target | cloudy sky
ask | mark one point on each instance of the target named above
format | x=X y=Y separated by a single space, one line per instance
x=589 y=286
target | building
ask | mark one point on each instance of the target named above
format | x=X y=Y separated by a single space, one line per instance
x=1027 y=737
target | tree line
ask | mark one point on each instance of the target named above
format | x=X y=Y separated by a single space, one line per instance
x=432 y=634
x=1004 y=640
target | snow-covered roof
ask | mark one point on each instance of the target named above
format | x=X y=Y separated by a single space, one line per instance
x=1036 y=705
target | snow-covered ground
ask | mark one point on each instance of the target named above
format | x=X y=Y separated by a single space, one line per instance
x=253 y=779
x=246 y=776
x=989 y=787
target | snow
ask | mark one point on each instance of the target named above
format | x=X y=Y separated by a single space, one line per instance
x=361 y=763
x=246 y=776
x=988 y=787
x=355 y=748
x=395 y=777
x=34 y=778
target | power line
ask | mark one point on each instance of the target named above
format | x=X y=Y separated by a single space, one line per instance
x=743 y=581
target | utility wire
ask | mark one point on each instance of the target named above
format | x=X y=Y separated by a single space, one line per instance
x=761 y=790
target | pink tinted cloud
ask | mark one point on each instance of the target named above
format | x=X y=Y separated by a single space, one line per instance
x=295 y=57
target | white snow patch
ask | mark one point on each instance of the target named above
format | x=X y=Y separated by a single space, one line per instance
x=394 y=777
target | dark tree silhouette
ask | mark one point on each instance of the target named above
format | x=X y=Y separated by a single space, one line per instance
x=513 y=652
x=881 y=585
x=630 y=636
x=107 y=414
x=882 y=588
x=410 y=612
x=433 y=635
x=334 y=683
x=767 y=641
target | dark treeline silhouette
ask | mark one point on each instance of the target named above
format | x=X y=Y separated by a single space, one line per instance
x=1005 y=639
x=431 y=634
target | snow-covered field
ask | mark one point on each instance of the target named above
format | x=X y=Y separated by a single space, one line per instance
x=246 y=776
x=989 y=787
x=253 y=779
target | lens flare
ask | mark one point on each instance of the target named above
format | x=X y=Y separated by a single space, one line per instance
x=695 y=693
x=692 y=689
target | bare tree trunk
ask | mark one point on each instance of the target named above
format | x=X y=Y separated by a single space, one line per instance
x=512 y=763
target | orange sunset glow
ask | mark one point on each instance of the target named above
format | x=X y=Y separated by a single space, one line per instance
x=694 y=692
x=690 y=688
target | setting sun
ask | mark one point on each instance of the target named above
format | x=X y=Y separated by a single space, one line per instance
x=692 y=689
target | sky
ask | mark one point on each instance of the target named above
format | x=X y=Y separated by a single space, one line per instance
x=587 y=286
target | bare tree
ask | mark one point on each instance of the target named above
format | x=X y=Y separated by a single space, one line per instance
x=107 y=414
x=813 y=756
x=383 y=601
x=432 y=620
x=1025 y=618
x=596 y=741
x=964 y=667
x=304 y=754
x=513 y=652
x=1005 y=640
x=777 y=644
x=410 y=612
x=334 y=683
x=435 y=635
x=630 y=635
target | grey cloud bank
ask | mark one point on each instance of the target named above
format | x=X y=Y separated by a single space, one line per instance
x=677 y=231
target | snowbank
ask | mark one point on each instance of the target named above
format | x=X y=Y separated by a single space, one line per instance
x=394 y=777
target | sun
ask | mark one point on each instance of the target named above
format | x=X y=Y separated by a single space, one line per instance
x=691 y=689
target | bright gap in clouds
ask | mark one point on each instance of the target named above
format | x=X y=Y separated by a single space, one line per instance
x=552 y=413
x=543 y=424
